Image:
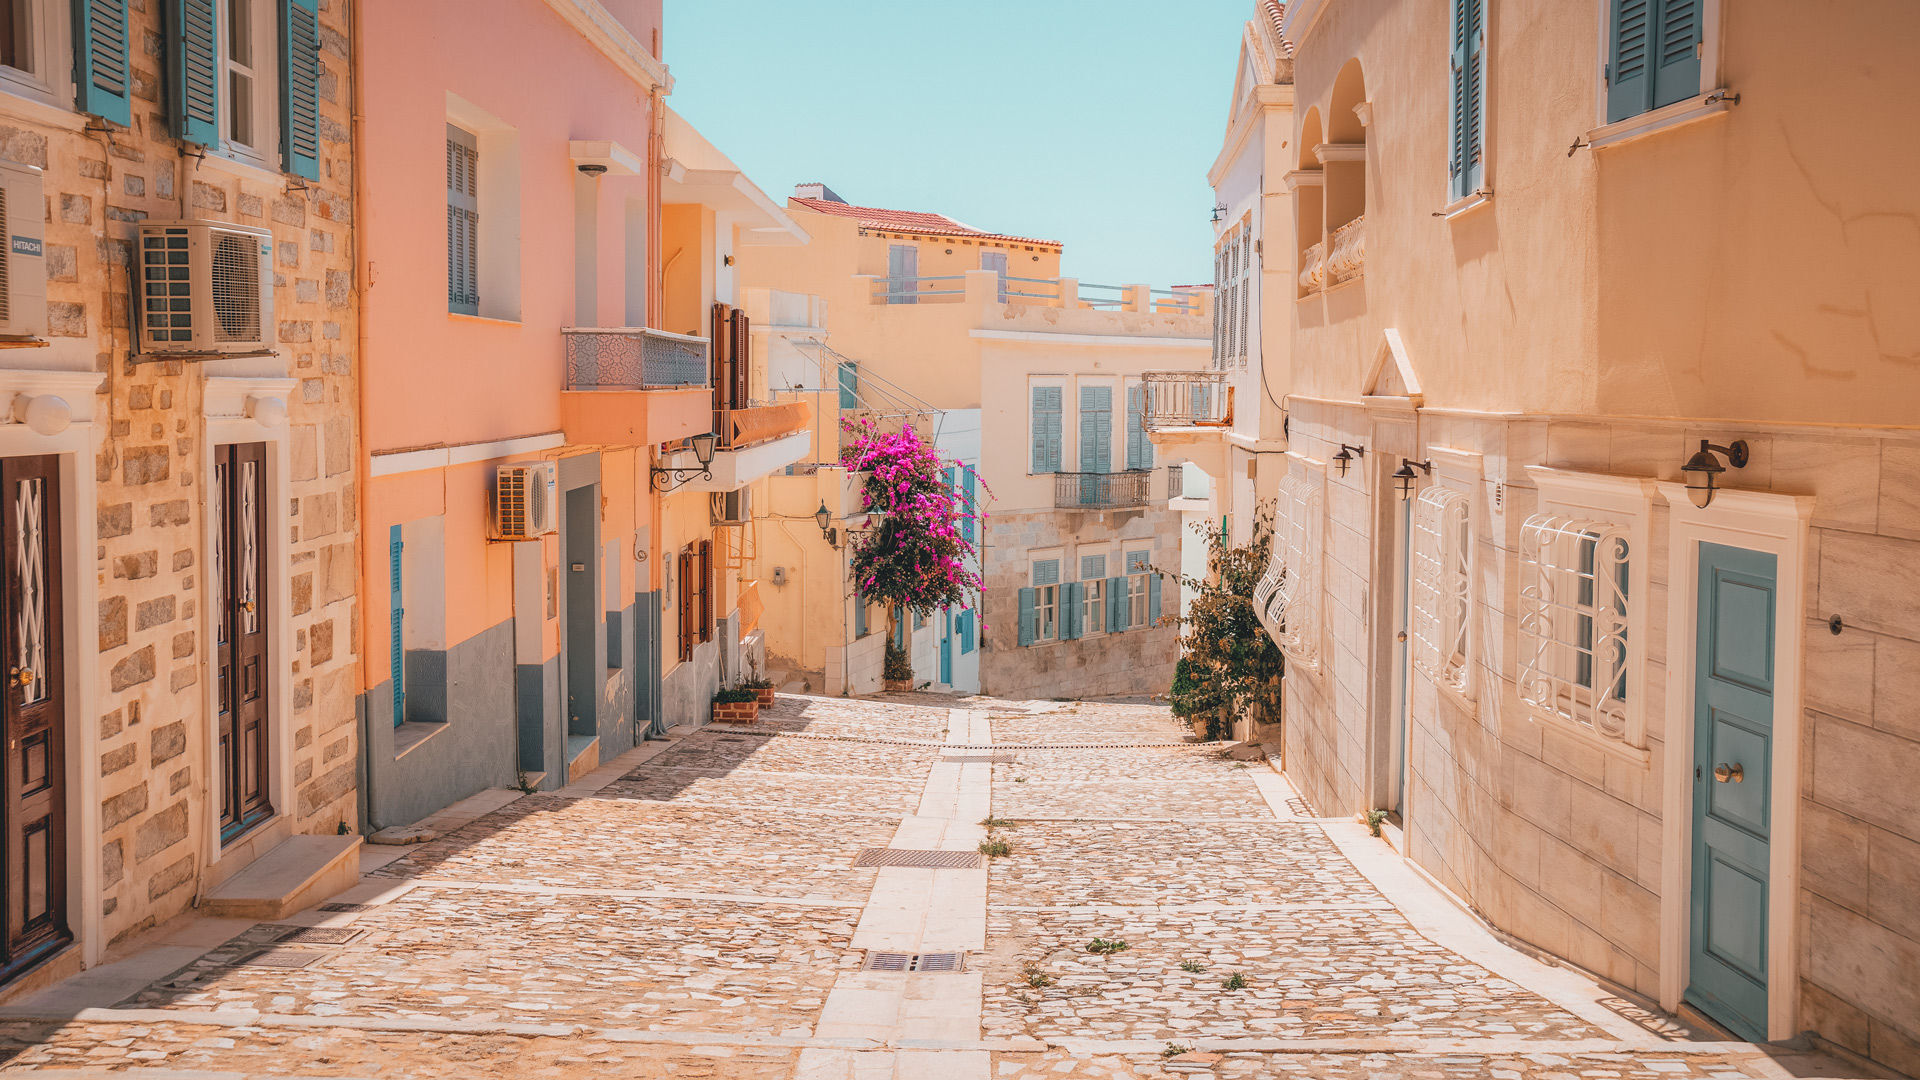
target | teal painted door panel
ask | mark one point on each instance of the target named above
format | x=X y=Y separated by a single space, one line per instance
x=1732 y=827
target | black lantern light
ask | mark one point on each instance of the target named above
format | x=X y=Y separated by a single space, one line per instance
x=1703 y=468
x=1404 y=478
x=823 y=517
x=667 y=479
x=1344 y=459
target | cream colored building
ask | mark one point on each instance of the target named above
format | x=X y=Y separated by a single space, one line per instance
x=1540 y=258
x=1032 y=382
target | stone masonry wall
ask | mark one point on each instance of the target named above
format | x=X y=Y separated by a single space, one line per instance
x=1138 y=661
x=149 y=550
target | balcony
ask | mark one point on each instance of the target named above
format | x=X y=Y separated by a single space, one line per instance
x=1339 y=258
x=632 y=386
x=754 y=441
x=633 y=358
x=741 y=428
x=1184 y=399
x=985 y=286
x=1101 y=491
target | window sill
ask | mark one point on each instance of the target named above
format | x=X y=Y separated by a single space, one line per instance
x=221 y=161
x=1464 y=206
x=1460 y=699
x=484 y=320
x=16 y=105
x=1667 y=117
x=411 y=735
x=1587 y=736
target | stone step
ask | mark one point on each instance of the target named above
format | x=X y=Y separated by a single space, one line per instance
x=583 y=755
x=299 y=873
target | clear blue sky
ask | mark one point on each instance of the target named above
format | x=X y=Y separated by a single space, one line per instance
x=1088 y=122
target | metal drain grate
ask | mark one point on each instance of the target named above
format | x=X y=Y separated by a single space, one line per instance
x=925 y=860
x=1298 y=807
x=928 y=963
x=319 y=935
x=348 y=907
x=283 y=959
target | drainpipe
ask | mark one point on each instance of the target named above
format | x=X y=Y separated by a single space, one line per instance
x=362 y=288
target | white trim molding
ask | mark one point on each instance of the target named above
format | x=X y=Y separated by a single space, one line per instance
x=1678 y=114
x=1777 y=525
x=597 y=25
x=395 y=462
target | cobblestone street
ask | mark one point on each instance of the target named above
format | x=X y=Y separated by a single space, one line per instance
x=700 y=908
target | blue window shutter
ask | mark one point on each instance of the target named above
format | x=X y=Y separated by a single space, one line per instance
x=1046 y=429
x=1676 y=69
x=1070 y=594
x=966 y=506
x=1092 y=566
x=1096 y=429
x=100 y=60
x=964 y=628
x=1029 y=615
x=859 y=616
x=397 y=651
x=193 y=71
x=1469 y=92
x=300 y=87
x=1153 y=599
x=1629 y=64
x=1139 y=447
x=849 y=386
x=1117 y=607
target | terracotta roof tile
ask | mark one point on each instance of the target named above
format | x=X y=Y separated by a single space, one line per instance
x=874 y=217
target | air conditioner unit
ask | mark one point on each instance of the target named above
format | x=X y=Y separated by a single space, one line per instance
x=206 y=287
x=733 y=507
x=526 y=500
x=23 y=271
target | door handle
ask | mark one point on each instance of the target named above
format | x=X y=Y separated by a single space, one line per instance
x=23 y=676
x=246 y=606
x=1725 y=773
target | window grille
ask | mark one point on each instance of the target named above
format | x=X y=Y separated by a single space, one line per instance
x=1442 y=584
x=1288 y=596
x=1573 y=623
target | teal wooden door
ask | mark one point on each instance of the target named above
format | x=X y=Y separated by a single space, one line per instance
x=1732 y=758
x=946 y=647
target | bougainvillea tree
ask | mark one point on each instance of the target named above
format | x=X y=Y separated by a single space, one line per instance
x=914 y=556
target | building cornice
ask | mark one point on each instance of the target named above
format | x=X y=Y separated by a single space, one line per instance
x=1265 y=97
x=597 y=25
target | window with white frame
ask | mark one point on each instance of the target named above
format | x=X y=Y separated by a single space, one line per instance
x=1046 y=605
x=32 y=44
x=249 y=97
x=1287 y=598
x=1093 y=593
x=1442 y=586
x=463 y=221
x=1581 y=637
x=1139 y=575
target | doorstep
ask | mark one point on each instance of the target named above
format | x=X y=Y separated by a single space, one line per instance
x=583 y=755
x=297 y=874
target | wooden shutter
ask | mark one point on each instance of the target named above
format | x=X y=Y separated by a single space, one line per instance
x=1139 y=447
x=688 y=603
x=300 y=87
x=903 y=274
x=849 y=385
x=396 y=648
x=193 y=71
x=1464 y=165
x=100 y=60
x=1119 y=608
x=1029 y=615
x=1071 y=595
x=1153 y=599
x=1046 y=429
x=1676 y=63
x=706 y=590
x=1629 y=69
x=463 y=222
x=739 y=351
x=719 y=383
x=966 y=523
x=1096 y=429
x=859 y=616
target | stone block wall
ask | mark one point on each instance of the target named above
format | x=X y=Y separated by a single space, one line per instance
x=1561 y=843
x=1137 y=661
x=148 y=546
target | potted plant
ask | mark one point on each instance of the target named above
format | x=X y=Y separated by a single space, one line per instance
x=736 y=706
x=761 y=686
x=896 y=674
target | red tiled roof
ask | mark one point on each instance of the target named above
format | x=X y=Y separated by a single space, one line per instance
x=912 y=221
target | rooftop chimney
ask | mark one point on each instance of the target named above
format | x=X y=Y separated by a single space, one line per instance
x=816 y=190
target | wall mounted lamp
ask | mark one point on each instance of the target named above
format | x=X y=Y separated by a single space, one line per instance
x=822 y=517
x=1404 y=478
x=669 y=479
x=1219 y=212
x=1703 y=468
x=1344 y=459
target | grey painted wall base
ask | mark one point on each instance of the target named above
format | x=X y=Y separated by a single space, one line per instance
x=686 y=694
x=475 y=749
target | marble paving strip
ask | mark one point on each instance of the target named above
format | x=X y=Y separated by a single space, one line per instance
x=634 y=894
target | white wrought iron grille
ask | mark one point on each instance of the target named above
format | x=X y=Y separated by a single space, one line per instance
x=30 y=590
x=1573 y=623
x=1442 y=580
x=1288 y=596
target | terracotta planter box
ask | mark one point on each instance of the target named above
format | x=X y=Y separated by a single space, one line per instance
x=736 y=712
x=896 y=686
x=765 y=694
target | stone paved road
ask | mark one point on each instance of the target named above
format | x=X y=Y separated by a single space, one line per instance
x=696 y=909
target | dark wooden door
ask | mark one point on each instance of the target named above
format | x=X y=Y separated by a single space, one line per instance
x=34 y=712
x=240 y=654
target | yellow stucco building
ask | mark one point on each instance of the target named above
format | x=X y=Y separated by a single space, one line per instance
x=1597 y=549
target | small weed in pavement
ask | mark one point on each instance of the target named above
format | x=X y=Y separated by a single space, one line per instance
x=1102 y=947
x=1175 y=1050
x=1035 y=977
x=995 y=848
x=1235 y=981
x=999 y=823
x=1192 y=967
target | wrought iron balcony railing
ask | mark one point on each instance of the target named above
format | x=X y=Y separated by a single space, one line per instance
x=1187 y=399
x=1101 y=491
x=633 y=358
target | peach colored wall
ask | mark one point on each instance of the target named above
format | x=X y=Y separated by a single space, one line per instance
x=434 y=377
x=946 y=255
x=1735 y=268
